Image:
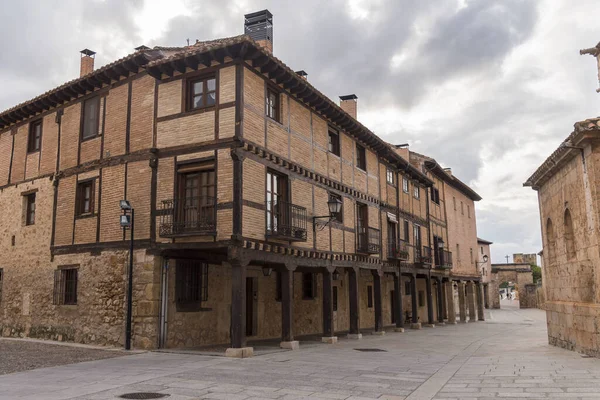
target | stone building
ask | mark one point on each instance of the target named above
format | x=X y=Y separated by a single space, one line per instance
x=521 y=258
x=488 y=279
x=231 y=161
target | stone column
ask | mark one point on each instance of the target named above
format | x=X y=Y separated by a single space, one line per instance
x=479 y=290
x=440 y=301
x=462 y=305
x=450 y=309
x=238 y=347
x=287 y=306
x=430 y=320
x=413 y=296
x=354 y=332
x=486 y=295
x=444 y=300
x=328 y=332
x=399 y=312
x=378 y=306
x=471 y=301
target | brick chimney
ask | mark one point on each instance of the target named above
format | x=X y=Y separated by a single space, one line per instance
x=87 y=62
x=259 y=26
x=349 y=104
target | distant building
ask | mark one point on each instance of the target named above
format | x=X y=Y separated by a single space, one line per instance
x=525 y=258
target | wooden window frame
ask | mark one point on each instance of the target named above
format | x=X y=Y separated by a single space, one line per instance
x=32 y=139
x=309 y=289
x=95 y=128
x=417 y=192
x=334 y=146
x=190 y=94
x=65 y=285
x=435 y=195
x=189 y=296
x=30 y=208
x=275 y=107
x=406 y=229
x=405 y=187
x=361 y=157
x=80 y=197
x=390 y=176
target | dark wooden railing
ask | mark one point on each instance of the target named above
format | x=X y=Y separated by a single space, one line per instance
x=192 y=215
x=286 y=220
x=368 y=241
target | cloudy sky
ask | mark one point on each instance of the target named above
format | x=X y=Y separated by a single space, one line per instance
x=487 y=87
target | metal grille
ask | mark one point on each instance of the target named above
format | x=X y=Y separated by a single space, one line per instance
x=399 y=251
x=369 y=241
x=426 y=255
x=286 y=220
x=191 y=287
x=65 y=286
x=188 y=215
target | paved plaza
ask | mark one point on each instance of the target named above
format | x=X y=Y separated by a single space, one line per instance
x=505 y=357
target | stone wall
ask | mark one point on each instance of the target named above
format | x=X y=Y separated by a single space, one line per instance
x=528 y=296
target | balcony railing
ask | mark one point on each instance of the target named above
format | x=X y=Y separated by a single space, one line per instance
x=368 y=241
x=443 y=259
x=425 y=255
x=398 y=251
x=187 y=216
x=286 y=220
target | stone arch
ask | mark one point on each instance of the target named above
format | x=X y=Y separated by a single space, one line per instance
x=550 y=242
x=569 y=235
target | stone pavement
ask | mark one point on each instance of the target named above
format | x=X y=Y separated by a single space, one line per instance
x=505 y=357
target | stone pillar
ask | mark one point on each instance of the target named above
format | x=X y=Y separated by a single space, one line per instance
x=486 y=295
x=462 y=305
x=430 y=320
x=238 y=347
x=450 y=309
x=287 y=312
x=444 y=300
x=378 y=306
x=354 y=332
x=399 y=312
x=479 y=291
x=413 y=296
x=440 y=301
x=328 y=332
x=471 y=301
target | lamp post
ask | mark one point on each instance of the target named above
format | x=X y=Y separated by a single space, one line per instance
x=334 y=206
x=127 y=222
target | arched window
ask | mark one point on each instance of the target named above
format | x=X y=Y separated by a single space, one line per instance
x=550 y=243
x=569 y=235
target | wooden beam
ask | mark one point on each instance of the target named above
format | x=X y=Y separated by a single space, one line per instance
x=191 y=62
x=259 y=62
x=178 y=65
x=206 y=59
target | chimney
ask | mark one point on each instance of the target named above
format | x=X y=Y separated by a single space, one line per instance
x=402 y=150
x=259 y=26
x=87 y=62
x=302 y=74
x=348 y=104
x=142 y=47
x=448 y=171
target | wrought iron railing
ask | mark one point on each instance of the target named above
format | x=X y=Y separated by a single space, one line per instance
x=191 y=215
x=368 y=241
x=425 y=256
x=445 y=259
x=398 y=251
x=286 y=220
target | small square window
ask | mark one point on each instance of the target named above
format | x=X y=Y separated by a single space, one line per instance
x=202 y=93
x=85 y=197
x=91 y=118
x=309 y=287
x=370 y=296
x=334 y=142
x=272 y=105
x=65 y=286
x=404 y=185
x=30 y=209
x=361 y=157
x=191 y=285
x=35 y=136
x=416 y=192
x=390 y=177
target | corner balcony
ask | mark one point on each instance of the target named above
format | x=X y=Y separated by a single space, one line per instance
x=368 y=241
x=286 y=221
x=193 y=216
x=443 y=259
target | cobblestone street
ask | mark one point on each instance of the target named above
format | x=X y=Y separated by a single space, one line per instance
x=505 y=357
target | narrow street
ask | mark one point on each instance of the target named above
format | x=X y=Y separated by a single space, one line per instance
x=506 y=357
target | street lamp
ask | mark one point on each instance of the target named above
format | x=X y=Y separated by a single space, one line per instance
x=334 y=206
x=485 y=259
x=127 y=222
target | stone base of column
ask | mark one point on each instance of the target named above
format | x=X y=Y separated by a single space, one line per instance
x=329 y=339
x=293 y=345
x=429 y=325
x=440 y=323
x=355 y=336
x=399 y=330
x=378 y=333
x=239 y=352
x=415 y=325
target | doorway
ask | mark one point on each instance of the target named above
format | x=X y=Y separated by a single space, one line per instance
x=250 y=306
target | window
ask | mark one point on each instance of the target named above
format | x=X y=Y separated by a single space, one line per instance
x=481 y=248
x=30 y=209
x=339 y=217
x=404 y=185
x=335 y=298
x=370 y=296
x=416 y=192
x=471 y=254
x=85 y=197
x=202 y=93
x=309 y=287
x=390 y=177
x=91 y=118
x=362 y=227
x=272 y=110
x=334 y=142
x=421 y=298
x=462 y=208
x=195 y=203
x=392 y=242
x=191 y=285
x=569 y=235
x=35 y=136
x=454 y=202
x=407 y=289
x=65 y=286
x=435 y=195
x=277 y=198
x=550 y=242
x=469 y=211
x=406 y=232
x=361 y=157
